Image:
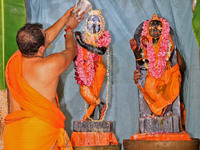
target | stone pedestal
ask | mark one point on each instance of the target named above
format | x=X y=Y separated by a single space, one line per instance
x=90 y=126
x=153 y=124
x=88 y=134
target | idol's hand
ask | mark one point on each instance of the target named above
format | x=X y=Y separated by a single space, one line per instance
x=145 y=41
x=133 y=44
x=74 y=19
x=136 y=76
x=89 y=47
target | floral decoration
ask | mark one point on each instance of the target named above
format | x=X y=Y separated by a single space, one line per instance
x=85 y=75
x=157 y=68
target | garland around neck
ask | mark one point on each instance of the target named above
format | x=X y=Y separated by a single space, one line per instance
x=86 y=76
x=157 y=68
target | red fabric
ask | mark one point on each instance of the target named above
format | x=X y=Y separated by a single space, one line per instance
x=93 y=139
x=161 y=92
x=91 y=94
x=183 y=136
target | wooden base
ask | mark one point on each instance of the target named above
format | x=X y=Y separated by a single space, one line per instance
x=161 y=145
x=107 y=147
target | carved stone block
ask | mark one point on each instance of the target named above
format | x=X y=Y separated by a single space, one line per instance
x=168 y=124
x=90 y=126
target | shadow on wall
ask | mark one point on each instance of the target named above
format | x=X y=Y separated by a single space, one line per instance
x=63 y=106
x=68 y=119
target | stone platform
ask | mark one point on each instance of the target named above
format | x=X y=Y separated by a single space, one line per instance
x=93 y=135
x=90 y=126
x=168 y=124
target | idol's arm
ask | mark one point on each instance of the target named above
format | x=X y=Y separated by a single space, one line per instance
x=91 y=48
x=181 y=62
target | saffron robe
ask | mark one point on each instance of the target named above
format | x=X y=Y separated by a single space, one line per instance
x=40 y=124
x=162 y=92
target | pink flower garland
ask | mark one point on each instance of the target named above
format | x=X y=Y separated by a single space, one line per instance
x=104 y=40
x=81 y=75
x=86 y=77
x=157 y=69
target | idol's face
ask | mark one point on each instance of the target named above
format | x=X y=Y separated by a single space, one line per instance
x=94 y=24
x=155 y=28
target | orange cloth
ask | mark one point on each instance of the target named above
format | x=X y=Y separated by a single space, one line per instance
x=93 y=139
x=182 y=136
x=91 y=94
x=40 y=124
x=161 y=92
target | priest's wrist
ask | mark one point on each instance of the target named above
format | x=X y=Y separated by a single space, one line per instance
x=68 y=30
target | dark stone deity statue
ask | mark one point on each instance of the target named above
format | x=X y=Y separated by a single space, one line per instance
x=90 y=67
x=158 y=76
x=90 y=73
